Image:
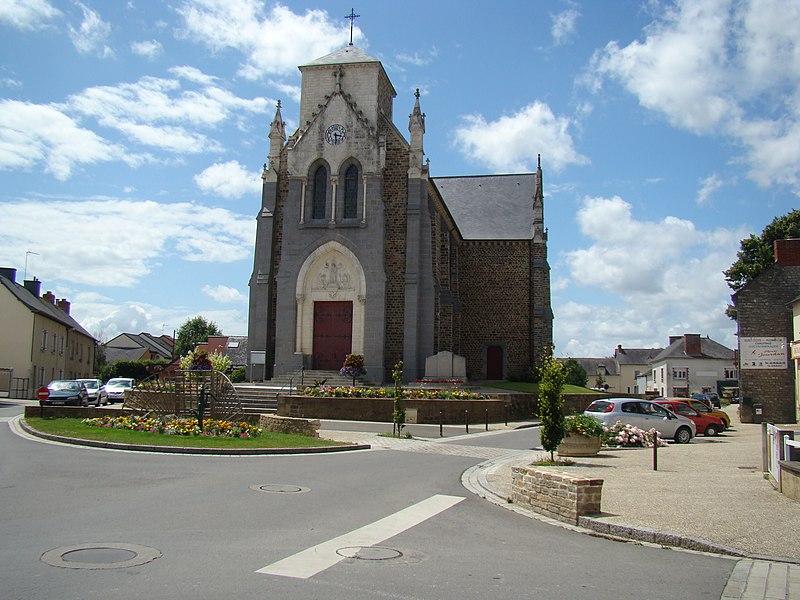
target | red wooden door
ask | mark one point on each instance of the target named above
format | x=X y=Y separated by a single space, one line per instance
x=494 y=362
x=333 y=334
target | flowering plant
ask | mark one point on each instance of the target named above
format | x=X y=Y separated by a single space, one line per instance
x=353 y=367
x=174 y=426
x=623 y=434
x=583 y=425
x=329 y=391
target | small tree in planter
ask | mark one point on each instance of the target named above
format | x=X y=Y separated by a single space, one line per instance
x=583 y=436
x=399 y=412
x=353 y=367
x=551 y=382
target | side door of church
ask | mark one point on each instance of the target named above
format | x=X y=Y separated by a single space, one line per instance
x=494 y=362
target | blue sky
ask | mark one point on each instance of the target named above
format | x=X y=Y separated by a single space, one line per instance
x=132 y=134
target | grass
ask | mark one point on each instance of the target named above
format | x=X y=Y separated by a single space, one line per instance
x=75 y=429
x=546 y=462
x=389 y=434
x=530 y=388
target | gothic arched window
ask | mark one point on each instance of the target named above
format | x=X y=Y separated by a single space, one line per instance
x=320 y=193
x=351 y=192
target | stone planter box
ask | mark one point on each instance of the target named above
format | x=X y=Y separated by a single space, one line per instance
x=557 y=495
x=576 y=444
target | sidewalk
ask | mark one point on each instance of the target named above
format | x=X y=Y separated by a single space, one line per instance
x=710 y=489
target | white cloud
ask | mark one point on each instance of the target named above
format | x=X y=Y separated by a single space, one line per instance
x=721 y=67
x=193 y=74
x=293 y=91
x=128 y=237
x=27 y=14
x=223 y=293
x=39 y=133
x=417 y=59
x=708 y=186
x=273 y=41
x=563 y=25
x=91 y=35
x=148 y=48
x=229 y=180
x=511 y=143
x=665 y=275
x=10 y=82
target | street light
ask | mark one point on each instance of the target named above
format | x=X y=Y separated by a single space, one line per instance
x=28 y=252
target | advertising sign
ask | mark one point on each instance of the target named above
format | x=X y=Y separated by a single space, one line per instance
x=762 y=353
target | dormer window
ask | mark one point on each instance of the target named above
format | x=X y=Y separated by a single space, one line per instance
x=320 y=193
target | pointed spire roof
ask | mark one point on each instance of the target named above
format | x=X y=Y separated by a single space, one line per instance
x=277 y=125
x=345 y=55
x=417 y=117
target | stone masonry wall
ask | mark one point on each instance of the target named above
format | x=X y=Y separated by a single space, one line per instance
x=309 y=427
x=556 y=495
x=762 y=311
x=493 y=290
x=280 y=201
x=395 y=196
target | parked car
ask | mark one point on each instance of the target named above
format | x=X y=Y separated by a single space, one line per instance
x=715 y=401
x=96 y=390
x=703 y=408
x=707 y=398
x=645 y=415
x=62 y=392
x=116 y=388
x=703 y=421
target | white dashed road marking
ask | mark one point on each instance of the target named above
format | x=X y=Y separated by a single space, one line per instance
x=316 y=559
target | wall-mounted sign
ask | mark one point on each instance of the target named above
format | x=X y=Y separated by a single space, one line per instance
x=762 y=353
x=796 y=349
x=258 y=357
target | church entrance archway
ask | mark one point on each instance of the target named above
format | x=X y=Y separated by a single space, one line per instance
x=333 y=334
x=494 y=362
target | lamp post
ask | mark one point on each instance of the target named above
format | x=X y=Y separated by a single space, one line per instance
x=27 y=253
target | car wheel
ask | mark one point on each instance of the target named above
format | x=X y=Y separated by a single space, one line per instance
x=683 y=435
x=712 y=430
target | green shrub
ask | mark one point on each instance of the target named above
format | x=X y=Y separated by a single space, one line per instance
x=583 y=425
x=550 y=405
x=136 y=369
x=238 y=375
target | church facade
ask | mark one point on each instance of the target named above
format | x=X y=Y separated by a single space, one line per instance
x=360 y=250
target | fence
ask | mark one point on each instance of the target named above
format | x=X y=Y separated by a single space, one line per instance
x=776 y=449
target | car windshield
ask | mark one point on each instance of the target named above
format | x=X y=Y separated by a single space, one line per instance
x=69 y=386
x=120 y=382
x=90 y=383
x=699 y=406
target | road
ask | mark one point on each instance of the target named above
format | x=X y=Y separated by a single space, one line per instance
x=215 y=532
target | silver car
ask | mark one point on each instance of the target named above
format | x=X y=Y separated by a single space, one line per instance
x=644 y=415
x=116 y=388
x=96 y=391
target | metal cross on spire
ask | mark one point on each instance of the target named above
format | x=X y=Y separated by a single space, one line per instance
x=352 y=16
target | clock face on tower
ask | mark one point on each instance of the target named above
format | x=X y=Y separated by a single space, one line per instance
x=335 y=134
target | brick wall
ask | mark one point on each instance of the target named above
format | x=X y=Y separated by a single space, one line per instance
x=495 y=303
x=395 y=197
x=762 y=311
x=556 y=495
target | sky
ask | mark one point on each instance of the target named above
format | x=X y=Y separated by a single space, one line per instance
x=132 y=136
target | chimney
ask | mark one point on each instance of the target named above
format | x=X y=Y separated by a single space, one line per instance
x=9 y=273
x=49 y=297
x=34 y=286
x=63 y=305
x=691 y=344
x=787 y=252
x=619 y=350
x=673 y=339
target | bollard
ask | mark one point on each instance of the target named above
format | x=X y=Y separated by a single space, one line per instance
x=487 y=419
x=655 y=452
x=441 y=421
x=466 y=419
x=505 y=406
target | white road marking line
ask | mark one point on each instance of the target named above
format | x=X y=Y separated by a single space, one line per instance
x=316 y=559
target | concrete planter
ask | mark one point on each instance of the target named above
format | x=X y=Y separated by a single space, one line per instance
x=576 y=444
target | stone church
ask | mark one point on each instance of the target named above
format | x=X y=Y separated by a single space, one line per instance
x=360 y=250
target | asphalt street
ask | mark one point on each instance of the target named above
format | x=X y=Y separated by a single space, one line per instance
x=215 y=532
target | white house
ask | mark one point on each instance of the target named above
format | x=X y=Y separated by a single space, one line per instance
x=692 y=364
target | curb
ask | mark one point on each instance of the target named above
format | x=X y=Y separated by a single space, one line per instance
x=475 y=480
x=190 y=450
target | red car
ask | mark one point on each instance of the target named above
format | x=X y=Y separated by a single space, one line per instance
x=705 y=422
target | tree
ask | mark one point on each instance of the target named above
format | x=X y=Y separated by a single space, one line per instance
x=551 y=382
x=574 y=373
x=192 y=332
x=755 y=252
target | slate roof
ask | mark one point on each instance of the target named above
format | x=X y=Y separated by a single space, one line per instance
x=636 y=356
x=237 y=353
x=154 y=344
x=346 y=55
x=114 y=354
x=708 y=349
x=490 y=207
x=42 y=307
x=591 y=365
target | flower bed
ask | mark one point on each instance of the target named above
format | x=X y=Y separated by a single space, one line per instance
x=188 y=427
x=327 y=391
x=628 y=436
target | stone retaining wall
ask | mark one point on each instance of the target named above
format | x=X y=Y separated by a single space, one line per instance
x=554 y=494
x=309 y=427
x=83 y=412
x=380 y=409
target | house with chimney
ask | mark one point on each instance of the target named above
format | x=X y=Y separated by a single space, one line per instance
x=39 y=339
x=692 y=363
x=138 y=346
x=764 y=318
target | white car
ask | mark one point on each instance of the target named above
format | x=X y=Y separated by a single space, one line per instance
x=644 y=415
x=116 y=388
x=96 y=390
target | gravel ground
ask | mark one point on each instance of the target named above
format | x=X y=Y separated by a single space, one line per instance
x=712 y=488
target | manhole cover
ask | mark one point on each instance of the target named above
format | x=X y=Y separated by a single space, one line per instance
x=100 y=556
x=369 y=552
x=280 y=488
